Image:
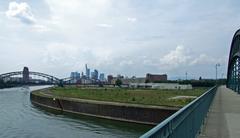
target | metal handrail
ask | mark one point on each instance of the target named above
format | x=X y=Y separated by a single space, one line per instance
x=187 y=121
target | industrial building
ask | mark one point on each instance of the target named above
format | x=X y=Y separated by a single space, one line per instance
x=156 y=77
x=167 y=86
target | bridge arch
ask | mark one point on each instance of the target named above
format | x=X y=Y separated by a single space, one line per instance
x=233 y=74
x=50 y=78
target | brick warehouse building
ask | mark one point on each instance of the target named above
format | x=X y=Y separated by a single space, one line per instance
x=156 y=77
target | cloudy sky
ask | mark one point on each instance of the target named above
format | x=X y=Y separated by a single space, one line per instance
x=128 y=37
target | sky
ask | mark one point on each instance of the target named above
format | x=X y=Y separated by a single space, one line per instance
x=128 y=37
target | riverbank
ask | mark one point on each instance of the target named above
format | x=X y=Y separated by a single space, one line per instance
x=150 y=115
x=130 y=112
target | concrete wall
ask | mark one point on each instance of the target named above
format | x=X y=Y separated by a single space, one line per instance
x=167 y=86
x=172 y=86
x=116 y=111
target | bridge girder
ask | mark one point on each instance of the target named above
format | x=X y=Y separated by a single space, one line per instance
x=233 y=74
x=49 y=77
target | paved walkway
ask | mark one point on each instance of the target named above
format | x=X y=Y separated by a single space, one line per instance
x=223 y=119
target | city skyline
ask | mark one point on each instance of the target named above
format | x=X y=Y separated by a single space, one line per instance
x=123 y=37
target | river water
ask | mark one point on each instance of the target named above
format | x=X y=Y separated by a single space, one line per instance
x=20 y=119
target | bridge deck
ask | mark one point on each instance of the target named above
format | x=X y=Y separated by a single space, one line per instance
x=223 y=119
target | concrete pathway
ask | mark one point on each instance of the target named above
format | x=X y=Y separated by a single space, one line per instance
x=223 y=120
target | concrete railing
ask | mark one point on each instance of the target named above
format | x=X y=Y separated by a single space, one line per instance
x=187 y=122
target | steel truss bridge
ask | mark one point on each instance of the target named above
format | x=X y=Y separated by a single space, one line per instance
x=51 y=79
x=233 y=74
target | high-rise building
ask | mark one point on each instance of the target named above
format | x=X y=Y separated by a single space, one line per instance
x=101 y=77
x=87 y=72
x=75 y=76
x=109 y=79
x=94 y=75
x=25 y=74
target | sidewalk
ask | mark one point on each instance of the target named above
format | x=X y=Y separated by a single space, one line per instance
x=223 y=120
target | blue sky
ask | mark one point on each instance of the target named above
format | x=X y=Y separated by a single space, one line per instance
x=128 y=37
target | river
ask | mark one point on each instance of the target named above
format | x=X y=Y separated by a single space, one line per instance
x=20 y=119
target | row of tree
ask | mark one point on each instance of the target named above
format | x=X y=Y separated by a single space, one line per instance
x=7 y=85
x=197 y=83
x=194 y=83
x=18 y=84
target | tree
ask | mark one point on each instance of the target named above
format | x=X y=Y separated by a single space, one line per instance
x=60 y=84
x=147 y=81
x=118 y=82
x=100 y=85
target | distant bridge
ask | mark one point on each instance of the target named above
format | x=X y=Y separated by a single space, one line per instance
x=50 y=78
x=25 y=77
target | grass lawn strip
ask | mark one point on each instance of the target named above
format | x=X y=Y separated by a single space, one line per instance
x=133 y=96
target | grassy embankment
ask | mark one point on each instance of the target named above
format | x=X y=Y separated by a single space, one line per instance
x=134 y=96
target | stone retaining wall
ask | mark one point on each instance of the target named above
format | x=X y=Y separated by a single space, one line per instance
x=117 y=111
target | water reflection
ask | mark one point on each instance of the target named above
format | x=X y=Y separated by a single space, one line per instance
x=19 y=118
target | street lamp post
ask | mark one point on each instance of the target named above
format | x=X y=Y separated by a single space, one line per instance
x=217 y=65
x=186 y=75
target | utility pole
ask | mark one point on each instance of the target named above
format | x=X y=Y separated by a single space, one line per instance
x=217 y=65
x=186 y=75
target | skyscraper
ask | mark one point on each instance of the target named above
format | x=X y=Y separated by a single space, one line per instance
x=101 y=77
x=94 y=75
x=75 y=75
x=87 y=72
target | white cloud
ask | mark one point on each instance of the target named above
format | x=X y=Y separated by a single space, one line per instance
x=101 y=33
x=58 y=52
x=92 y=6
x=131 y=19
x=175 y=58
x=40 y=28
x=103 y=25
x=203 y=59
x=181 y=58
x=79 y=11
x=126 y=63
x=21 y=11
x=69 y=55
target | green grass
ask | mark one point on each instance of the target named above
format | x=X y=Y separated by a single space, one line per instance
x=135 y=96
